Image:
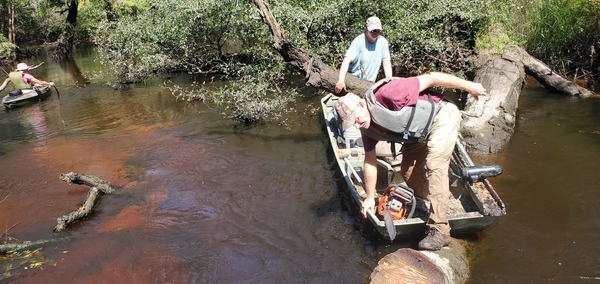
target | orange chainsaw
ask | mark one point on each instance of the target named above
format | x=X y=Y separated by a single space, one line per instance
x=393 y=206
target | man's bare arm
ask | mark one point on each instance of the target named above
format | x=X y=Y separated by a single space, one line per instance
x=445 y=80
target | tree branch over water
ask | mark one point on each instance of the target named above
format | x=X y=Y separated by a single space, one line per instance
x=316 y=72
x=5 y=197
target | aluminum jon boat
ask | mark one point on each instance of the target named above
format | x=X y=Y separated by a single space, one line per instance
x=474 y=203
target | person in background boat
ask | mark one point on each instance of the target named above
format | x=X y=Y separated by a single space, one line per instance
x=424 y=164
x=28 y=78
x=366 y=54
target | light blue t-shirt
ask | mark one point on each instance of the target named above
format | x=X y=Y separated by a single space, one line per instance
x=366 y=57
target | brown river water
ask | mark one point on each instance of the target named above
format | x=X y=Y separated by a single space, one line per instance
x=205 y=200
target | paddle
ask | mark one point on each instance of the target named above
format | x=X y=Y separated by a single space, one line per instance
x=57 y=92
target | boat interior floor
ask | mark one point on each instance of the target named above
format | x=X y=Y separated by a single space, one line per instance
x=389 y=173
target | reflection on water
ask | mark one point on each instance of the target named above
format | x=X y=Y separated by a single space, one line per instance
x=207 y=201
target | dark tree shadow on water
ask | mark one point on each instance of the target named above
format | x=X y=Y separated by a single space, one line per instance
x=70 y=66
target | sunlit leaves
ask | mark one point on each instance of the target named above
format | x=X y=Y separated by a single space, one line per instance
x=6 y=48
x=191 y=35
x=433 y=34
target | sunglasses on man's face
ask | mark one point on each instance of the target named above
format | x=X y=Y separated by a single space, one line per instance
x=375 y=32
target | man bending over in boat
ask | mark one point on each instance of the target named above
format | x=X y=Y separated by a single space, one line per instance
x=27 y=80
x=429 y=136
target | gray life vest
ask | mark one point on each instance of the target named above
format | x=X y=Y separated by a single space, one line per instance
x=410 y=124
x=16 y=77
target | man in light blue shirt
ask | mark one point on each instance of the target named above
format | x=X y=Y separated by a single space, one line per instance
x=366 y=54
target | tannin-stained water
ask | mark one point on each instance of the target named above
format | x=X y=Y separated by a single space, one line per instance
x=205 y=200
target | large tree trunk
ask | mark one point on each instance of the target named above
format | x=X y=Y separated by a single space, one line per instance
x=64 y=47
x=10 y=6
x=489 y=122
x=551 y=80
x=448 y=265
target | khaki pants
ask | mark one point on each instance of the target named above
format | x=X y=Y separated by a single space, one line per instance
x=425 y=165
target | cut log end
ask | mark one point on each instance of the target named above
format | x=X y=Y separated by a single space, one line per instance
x=448 y=265
x=409 y=265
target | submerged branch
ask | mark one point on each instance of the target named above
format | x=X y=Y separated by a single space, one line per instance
x=5 y=197
x=89 y=180
x=14 y=247
x=80 y=213
x=97 y=185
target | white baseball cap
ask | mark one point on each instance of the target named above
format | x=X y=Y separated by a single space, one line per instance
x=373 y=23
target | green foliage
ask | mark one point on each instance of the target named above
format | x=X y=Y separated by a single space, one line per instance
x=7 y=49
x=36 y=22
x=197 y=36
x=495 y=39
x=499 y=34
x=252 y=98
x=326 y=28
x=548 y=29
x=93 y=13
x=437 y=34
x=423 y=35
x=192 y=35
x=90 y=15
x=563 y=28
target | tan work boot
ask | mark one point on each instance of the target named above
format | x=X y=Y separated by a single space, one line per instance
x=434 y=240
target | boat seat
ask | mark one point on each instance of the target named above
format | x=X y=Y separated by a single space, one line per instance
x=15 y=93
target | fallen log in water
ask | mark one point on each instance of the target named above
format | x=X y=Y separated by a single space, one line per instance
x=83 y=211
x=97 y=185
x=488 y=123
x=448 y=265
x=550 y=79
x=89 y=180
x=14 y=247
